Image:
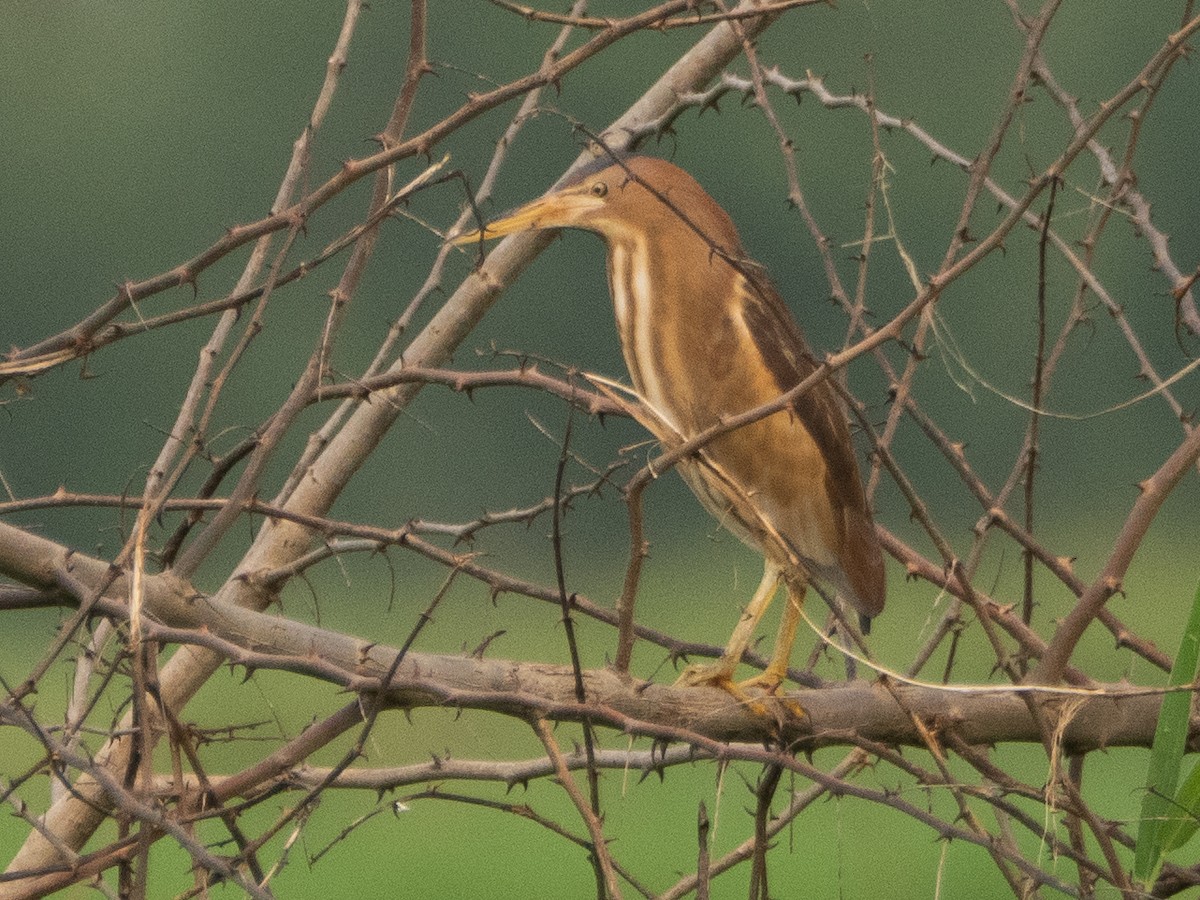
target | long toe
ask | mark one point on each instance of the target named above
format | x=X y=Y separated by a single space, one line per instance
x=707 y=675
x=719 y=676
x=768 y=683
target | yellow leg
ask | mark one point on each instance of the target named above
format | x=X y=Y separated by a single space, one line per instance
x=720 y=674
x=776 y=672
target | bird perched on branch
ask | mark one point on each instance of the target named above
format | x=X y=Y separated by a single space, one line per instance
x=706 y=337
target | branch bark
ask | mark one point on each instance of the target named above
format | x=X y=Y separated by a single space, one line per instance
x=837 y=715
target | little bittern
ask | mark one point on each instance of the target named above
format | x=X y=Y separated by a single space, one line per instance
x=706 y=336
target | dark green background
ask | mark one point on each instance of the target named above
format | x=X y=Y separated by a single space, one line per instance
x=132 y=134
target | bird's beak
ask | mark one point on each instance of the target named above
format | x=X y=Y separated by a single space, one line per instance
x=551 y=211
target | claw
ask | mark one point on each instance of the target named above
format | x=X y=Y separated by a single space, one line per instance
x=718 y=676
x=768 y=682
x=701 y=675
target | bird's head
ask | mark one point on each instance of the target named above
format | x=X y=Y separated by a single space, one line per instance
x=634 y=196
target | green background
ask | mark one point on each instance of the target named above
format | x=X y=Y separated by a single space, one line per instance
x=132 y=134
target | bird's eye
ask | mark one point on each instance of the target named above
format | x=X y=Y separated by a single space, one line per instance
x=599 y=189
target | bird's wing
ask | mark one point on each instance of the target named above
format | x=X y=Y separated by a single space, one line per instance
x=785 y=352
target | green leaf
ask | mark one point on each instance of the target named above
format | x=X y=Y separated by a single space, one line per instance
x=1159 y=810
x=1184 y=816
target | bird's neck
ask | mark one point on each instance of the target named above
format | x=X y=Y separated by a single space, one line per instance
x=658 y=296
x=632 y=265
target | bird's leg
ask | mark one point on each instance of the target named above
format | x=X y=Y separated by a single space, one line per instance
x=720 y=674
x=776 y=671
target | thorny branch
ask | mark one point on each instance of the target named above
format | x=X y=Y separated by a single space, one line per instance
x=145 y=636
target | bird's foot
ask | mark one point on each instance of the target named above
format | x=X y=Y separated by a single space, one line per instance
x=749 y=692
x=708 y=675
x=768 y=683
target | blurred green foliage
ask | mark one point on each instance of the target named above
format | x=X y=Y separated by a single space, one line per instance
x=132 y=134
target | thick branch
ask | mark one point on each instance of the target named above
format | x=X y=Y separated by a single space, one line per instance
x=853 y=711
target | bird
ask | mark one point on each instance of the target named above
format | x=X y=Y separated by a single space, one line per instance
x=706 y=336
